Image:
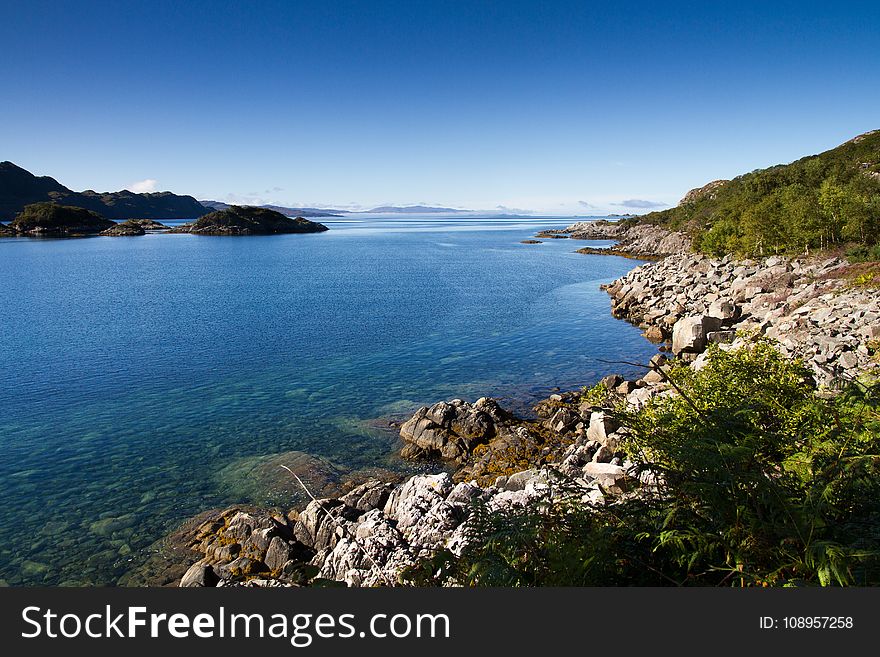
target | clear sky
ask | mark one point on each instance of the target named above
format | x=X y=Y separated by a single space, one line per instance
x=553 y=106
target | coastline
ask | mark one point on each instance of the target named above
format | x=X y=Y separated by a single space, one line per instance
x=369 y=535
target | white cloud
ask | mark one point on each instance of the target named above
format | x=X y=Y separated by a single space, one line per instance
x=245 y=199
x=640 y=203
x=509 y=210
x=143 y=186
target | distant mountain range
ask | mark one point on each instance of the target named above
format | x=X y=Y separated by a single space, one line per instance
x=19 y=187
x=414 y=209
x=289 y=212
x=329 y=212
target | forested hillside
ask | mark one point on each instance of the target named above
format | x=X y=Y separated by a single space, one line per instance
x=821 y=201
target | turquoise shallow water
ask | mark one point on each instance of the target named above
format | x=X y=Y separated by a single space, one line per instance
x=142 y=376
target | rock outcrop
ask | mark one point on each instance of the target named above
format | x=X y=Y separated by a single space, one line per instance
x=709 y=190
x=652 y=241
x=246 y=220
x=633 y=239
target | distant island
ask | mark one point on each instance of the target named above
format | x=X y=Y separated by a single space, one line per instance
x=248 y=220
x=289 y=212
x=19 y=188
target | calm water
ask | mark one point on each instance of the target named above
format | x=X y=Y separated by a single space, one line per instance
x=144 y=379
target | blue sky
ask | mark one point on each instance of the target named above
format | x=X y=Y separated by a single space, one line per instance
x=560 y=107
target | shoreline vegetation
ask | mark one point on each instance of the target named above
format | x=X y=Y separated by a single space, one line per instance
x=749 y=458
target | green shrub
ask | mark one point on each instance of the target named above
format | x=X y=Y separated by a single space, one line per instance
x=864 y=253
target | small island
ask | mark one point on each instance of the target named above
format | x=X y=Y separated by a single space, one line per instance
x=246 y=220
x=53 y=220
x=134 y=228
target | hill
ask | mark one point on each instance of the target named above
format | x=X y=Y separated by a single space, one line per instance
x=19 y=187
x=247 y=220
x=820 y=201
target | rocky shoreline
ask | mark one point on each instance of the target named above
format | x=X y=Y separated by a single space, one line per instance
x=686 y=302
x=641 y=241
x=810 y=307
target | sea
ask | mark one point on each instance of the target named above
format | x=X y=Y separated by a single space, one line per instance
x=147 y=379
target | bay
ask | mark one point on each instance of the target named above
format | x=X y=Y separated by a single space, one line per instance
x=144 y=378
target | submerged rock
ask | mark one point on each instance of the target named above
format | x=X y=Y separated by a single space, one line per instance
x=258 y=476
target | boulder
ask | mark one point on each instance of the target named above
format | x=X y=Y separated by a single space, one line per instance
x=611 y=381
x=199 y=574
x=240 y=567
x=689 y=333
x=723 y=309
x=613 y=478
x=563 y=421
x=653 y=377
x=520 y=480
x=370 y=495
x=450 y=430
x=721 y=337
x=315 y=529
x=277 y=554
x=603 y=455
x=602 y=425
x=847 y=360
x=654 y=334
